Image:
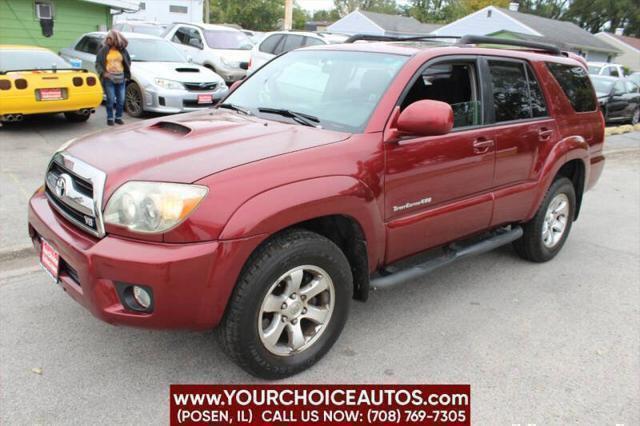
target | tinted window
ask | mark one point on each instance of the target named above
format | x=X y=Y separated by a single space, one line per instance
x=185 y=35
x=222 y=39
x=453 y=83
x=613 y=72
x=269 y=44
x=574 y=81
x=538 y=104
x=312 y=41
x=30 y=60
x=510 y=91
x=290 y=42
x=153 y=50
x=88 y=45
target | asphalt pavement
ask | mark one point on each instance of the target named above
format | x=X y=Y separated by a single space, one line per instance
x=547 y=344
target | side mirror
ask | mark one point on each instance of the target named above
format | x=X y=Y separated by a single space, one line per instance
x=426 y=118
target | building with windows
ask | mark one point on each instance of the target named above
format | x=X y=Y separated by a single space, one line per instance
x=166 y=12
x=629 y=46
x=55 y=24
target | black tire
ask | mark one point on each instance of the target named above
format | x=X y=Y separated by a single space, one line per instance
x=238 y=332
x=77 y=116
x=531 y=246
x=133 y=101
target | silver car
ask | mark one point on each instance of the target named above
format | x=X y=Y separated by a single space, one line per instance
x=162 y=80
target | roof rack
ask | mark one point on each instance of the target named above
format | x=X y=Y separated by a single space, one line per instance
x=368 y=37
x=475 y=39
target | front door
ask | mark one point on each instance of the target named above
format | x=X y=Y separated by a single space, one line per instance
x=438 y=188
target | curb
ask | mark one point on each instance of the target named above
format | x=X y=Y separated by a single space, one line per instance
x=16 y=253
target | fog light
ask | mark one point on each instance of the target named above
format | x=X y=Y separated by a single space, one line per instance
x=142 y=296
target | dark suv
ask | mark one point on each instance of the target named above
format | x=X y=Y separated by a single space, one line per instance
x=304 y=188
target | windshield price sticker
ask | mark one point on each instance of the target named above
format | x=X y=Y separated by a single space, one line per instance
x=328 y=404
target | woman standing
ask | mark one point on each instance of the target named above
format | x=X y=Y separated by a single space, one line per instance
x=113 y=65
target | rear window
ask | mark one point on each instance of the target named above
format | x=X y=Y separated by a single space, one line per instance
x=575 y=83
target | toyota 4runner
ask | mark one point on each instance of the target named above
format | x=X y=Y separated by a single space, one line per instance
x=309 y=183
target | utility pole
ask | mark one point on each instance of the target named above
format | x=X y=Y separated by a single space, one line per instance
x=288 y=15
x=207 y=5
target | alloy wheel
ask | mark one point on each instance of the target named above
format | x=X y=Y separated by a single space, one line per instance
x=296 y=310
x=555 y=221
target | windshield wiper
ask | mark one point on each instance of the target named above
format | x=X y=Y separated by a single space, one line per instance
x=235 y=108
x=299 y=117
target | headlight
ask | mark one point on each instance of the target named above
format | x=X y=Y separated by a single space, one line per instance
x=152 y=207
x=168 y=84
x=230 y=64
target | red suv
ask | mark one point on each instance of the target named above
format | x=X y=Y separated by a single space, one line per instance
x=304 y=188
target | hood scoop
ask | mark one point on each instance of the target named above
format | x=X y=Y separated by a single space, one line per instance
x=187 y=70
x=171 y=127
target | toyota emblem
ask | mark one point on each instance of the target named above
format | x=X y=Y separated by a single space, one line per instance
x=61 y=186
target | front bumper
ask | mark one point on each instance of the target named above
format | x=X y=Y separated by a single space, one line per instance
x=191 y=283
x=176 y=101
x=230 y=75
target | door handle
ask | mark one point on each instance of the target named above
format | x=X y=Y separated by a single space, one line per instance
x=545 y=134
x=482 y=145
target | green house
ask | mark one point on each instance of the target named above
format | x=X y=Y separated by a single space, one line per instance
x=55 y=24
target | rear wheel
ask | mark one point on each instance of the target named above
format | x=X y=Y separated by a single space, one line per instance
x=289 y=306
x=547 y=232
x=77 y=116
x=133 y=100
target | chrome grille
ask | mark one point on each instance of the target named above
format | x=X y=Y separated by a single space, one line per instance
x=74 y=189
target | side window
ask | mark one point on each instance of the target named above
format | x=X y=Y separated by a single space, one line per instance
x=269 y=44
x=606 y=71
x=510 y=91
x=613 y=71
x=81 y=45
x=575 y=84
x=290 y=42
x=538 y=104
x=454 y=83
x=93 y=45
x=312 y=41
x=187 y=36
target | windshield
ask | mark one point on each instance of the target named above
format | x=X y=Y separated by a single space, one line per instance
x=593 y=69
x=340 y=89
x=153 y=50
x=602 y=85
x=233 y=40
x=30 y=60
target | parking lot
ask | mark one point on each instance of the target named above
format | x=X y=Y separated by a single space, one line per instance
x=553 y=343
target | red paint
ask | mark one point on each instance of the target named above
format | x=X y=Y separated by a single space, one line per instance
x=264 y=176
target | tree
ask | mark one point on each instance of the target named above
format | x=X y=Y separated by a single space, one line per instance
x=326 y=15
x=259 y=15
x=599 y=15
x=448 y=10
x=344 y=7
x=300 y=17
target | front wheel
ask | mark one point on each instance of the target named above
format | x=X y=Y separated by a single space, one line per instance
x=635 y=118
x=546 y=233
x=289 y=306
x=133 y=100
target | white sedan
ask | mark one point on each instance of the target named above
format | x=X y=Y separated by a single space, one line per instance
x=162 y=80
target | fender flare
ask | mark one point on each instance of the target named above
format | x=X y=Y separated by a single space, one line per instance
x=281 y=207
x=568 y=149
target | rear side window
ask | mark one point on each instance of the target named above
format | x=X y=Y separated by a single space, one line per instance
x=510 y=91
x=538 y=104
x=88 y=45
x=290 y=42
x=270 y=43
x=575 y=84
x=312 y=41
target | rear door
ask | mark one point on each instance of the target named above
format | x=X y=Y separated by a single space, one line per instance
x=523 y=128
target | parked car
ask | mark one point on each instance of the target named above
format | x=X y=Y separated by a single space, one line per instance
x=161 y=78
x=635 y=77
x=310 y=183
x=224 y=50
x=254 y=36
x=143 y=27
x=606 y=69
x=619 y=98
x=34 y=80
x=278 y=42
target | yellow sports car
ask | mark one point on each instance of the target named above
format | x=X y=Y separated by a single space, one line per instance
x=34 y=80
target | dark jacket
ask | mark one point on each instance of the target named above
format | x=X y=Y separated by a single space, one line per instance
x=101 y=61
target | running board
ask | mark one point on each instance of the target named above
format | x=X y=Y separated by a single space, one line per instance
x=451 y=254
